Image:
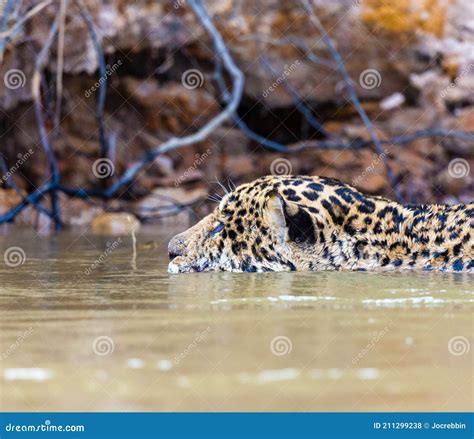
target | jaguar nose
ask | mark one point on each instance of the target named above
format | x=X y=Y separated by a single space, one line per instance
x=176 y=247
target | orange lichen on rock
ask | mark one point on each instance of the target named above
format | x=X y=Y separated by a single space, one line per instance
x=406 y=16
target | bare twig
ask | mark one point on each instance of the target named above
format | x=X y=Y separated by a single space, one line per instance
x=267 y=143
x=294 y=41
x=5 y=36
x=4 y=170
x=298 y=102
x=179 y=142
x=36 y=93
x=100 y=104
x=59 y=67
x=176 y=142
x=353 y=95
x=231 y=101
x=9 y=182
x=396 y=140
x=32 y=199
x=7 y=11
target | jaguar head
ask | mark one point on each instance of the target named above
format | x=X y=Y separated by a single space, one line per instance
x=247 y=232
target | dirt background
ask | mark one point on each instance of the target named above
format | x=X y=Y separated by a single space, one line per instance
x=411 y=63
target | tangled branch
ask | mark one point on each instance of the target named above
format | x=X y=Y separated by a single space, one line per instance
x=231 y=98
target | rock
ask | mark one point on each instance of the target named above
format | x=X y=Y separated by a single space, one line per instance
x=421 y=52
x=392 y=101
x=371 y=176
x=165 y=201
x=463 y=121
x=405 y=17
x=359 y=132
x=132 y=27
x=239 y=166
x=37 y=220
x=173 y=107
x=163 y=165
x=162 y=197
x=76 y=212
x=114 y=224
x=372 y=182
x=8 y=199
x=409 y=119
x=457 y=177
x=337 y=159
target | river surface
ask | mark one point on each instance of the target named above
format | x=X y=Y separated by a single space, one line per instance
x=86 y=325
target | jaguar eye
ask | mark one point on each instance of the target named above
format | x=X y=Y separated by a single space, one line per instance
x=218 y=228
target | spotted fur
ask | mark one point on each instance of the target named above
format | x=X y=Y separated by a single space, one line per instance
x=288 y=223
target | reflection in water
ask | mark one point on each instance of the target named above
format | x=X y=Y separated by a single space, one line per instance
x=32 y=373
x=86 y=326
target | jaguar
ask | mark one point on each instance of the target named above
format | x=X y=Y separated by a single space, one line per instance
x=297 y=223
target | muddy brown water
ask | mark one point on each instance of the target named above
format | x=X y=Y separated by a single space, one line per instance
x=85 y=326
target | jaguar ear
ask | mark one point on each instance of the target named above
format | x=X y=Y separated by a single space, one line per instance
x=274 y=215
x=288 y=221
